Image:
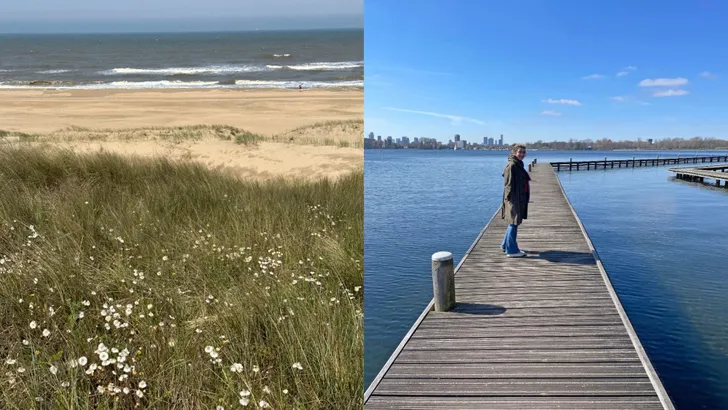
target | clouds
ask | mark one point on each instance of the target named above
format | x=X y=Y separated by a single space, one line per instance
x=708 y=75
x=454 y=118
x=626 y=70
x=664 y=82
x=562 y=101
x=551 y=113
x=670 y=93
x=592 y=77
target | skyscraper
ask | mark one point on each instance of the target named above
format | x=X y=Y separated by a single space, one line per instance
x=371 y=135
x=500 y=141
x=457 y=137
x=485 y=140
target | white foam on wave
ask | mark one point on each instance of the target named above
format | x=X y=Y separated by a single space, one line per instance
x=165 y=84
x=343 y=65
x=220 y=69
x=295 y=84
x=54 y=71
x=281 y=55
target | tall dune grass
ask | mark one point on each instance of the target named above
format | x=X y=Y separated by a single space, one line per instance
x=142 y=283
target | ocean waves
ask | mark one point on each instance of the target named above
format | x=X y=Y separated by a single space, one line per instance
x=232 y=69
x=176 y=84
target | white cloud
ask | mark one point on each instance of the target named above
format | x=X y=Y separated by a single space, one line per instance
x=630 y=68
x=620 y=99
x=453 y=118
x=562 y=101
x=592 y=77
x=670 y=93
x=708 y=75
x=551 y=113
x=622 y=73
x=663 y=82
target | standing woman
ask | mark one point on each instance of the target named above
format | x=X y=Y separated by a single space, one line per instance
x=515 y=199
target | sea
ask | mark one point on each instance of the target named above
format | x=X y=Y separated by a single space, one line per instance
x=254 y=59
x=663 y=242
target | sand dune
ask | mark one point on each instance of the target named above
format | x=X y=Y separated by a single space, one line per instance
x=309 y=134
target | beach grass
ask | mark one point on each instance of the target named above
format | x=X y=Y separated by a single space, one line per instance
x=132 y=282
x=343 y=134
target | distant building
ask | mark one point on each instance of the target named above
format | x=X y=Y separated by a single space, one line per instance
x=457 y=137
x=650 y=141
x=491 y=141
x=379 y=138
x=371 y=135
x=398 y=140
x=417 y=140
x=460 y=144
x=500 y=141
x=405 y=140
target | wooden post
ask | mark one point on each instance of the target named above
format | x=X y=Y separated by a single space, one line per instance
x=443 y=281
x=633 y=162
x=570 y=164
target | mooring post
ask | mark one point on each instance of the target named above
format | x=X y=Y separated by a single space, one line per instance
x=443 y=281
x=570 y=160
x=633 y=161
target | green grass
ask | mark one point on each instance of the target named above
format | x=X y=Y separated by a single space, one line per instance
x=181 y=133
x=268 y=274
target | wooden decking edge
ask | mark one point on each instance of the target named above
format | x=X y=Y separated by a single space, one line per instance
x=651 y=373
x=373 y=385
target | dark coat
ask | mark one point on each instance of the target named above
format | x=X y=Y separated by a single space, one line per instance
x=516 y=192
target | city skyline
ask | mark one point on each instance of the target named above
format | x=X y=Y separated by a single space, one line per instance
x=549 y=74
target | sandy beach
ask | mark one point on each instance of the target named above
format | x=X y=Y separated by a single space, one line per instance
x=277 y=115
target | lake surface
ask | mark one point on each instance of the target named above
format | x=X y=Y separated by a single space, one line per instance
x=663 y=242
x=265 y=59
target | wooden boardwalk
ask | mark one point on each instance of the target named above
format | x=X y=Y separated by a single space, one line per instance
x=634 y=163
x=715 y=172
x=543 y=332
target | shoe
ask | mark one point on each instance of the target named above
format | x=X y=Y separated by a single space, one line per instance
x=520 y=254
x=503 y=249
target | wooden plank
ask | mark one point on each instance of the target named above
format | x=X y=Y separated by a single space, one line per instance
x=519 y=343
x=517 y=370
x=518 y=387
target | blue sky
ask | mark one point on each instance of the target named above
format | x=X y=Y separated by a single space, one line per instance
x=547 y=70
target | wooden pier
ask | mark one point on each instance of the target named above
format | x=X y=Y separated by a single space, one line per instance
x=634 y=162
x=698 y=174
x=542 y=332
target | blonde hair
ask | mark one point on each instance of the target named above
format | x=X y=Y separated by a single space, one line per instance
x=516 y=147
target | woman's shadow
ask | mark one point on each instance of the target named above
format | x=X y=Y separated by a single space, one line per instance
x=580 y=258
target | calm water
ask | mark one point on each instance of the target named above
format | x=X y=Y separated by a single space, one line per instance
x=282 y=59
x=663 y=242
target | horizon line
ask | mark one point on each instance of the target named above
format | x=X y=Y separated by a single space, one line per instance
x=200 y=31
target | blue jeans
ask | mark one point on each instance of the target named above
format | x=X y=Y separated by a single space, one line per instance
x=509 y=240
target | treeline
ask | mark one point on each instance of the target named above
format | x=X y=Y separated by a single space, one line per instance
x=696 y=143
